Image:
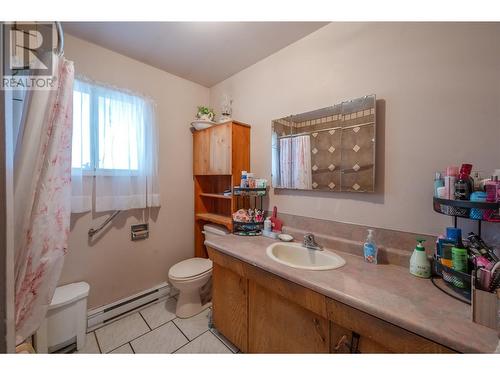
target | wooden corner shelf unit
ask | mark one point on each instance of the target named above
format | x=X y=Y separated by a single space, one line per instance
x=220 y=153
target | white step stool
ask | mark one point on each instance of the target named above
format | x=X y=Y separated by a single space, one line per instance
x=66 y=319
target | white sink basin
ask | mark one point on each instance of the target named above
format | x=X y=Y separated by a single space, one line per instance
x=296 y=256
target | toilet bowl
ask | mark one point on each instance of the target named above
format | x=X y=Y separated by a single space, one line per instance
x=188 y=277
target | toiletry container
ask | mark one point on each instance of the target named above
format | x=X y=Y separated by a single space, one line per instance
x=420 y=265
x=449 y=182
x=477 y=213
x=244 y=181
x=438 y=182
x=66 y=319
x=370 y=249
x=464 y=185
x=268 y=226
x=491 y=187
x=454 y=234
x=460 y=259
x=251 y=180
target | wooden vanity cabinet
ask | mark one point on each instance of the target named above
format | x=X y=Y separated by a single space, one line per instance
x=260 y=312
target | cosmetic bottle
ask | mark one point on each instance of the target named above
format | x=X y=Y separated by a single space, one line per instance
x=476 y=176
x=464 y=185
x=460 y=264
x=420 y=265
x=449 y=182
x=438 y=182
x=491 y=188
x=267 y=224
x=244 y=181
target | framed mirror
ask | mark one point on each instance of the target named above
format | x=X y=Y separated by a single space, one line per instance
x=329 y=149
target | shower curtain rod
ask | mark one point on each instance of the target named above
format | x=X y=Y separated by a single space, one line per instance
x=60 y=39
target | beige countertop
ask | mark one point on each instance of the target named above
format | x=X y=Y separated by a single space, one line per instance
x=386 y=291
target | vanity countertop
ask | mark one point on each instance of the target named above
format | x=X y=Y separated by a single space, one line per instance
x=386 y=291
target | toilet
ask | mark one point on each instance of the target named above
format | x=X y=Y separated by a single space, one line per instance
x=188 y=277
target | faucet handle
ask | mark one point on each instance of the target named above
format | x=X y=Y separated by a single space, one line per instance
x=309 y=238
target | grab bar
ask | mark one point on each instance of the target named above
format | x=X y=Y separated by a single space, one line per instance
x=92 y=232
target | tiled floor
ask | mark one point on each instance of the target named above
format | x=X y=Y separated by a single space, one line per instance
x=156 y=329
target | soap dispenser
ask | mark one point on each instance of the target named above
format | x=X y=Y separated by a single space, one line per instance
x=420 y=265
x=370 y=249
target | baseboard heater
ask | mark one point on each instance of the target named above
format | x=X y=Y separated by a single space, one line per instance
x=104 y=314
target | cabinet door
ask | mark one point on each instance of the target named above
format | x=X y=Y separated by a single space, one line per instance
x=201 y=152
x=343 y=340
x=277 y=325
x=375 y=335
x=220 y=150
x=229 y=301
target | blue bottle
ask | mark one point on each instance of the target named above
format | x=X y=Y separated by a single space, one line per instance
x=370 y=249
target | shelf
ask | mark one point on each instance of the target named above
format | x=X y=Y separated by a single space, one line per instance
x=214 y=195
x=215 y=218
x=239 y=191
x=466 y=209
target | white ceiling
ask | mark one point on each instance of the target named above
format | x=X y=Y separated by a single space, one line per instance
x=202 y=52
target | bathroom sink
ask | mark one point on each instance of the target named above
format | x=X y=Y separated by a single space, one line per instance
x=296 y=256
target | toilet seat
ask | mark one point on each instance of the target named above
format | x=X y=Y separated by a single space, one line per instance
x=190 y=269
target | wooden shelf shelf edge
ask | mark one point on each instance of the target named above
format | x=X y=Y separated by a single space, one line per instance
x=215 y=195
x=215 y=218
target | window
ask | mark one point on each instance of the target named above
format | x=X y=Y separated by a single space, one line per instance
x=114 y=140
x=108 y=129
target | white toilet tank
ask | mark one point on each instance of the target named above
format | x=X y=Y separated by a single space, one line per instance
x=66 y=319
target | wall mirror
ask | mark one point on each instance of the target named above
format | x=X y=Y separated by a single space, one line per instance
x=329 y=149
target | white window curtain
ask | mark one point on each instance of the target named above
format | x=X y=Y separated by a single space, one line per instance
x=115 y=140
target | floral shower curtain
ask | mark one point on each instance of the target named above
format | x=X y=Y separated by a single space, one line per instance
x=295 y=162
x=301 y=162
x=42 y=198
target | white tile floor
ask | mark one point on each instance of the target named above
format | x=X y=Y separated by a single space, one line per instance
x=156 y=329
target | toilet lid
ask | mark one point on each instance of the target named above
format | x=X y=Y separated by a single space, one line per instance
x=190 y=268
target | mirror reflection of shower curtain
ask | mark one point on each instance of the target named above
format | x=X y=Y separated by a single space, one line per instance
x=295 y=162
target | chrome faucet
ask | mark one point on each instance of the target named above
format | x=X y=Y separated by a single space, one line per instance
x=310 y=243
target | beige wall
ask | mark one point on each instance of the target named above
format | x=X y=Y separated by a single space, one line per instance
x=441 y=88
x=114 y=266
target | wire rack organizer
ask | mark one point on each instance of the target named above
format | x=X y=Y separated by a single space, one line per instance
x=249 y=198
x=478 y=211
x=457 y=281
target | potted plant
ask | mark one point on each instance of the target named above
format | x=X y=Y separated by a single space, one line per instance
x=205 y=113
